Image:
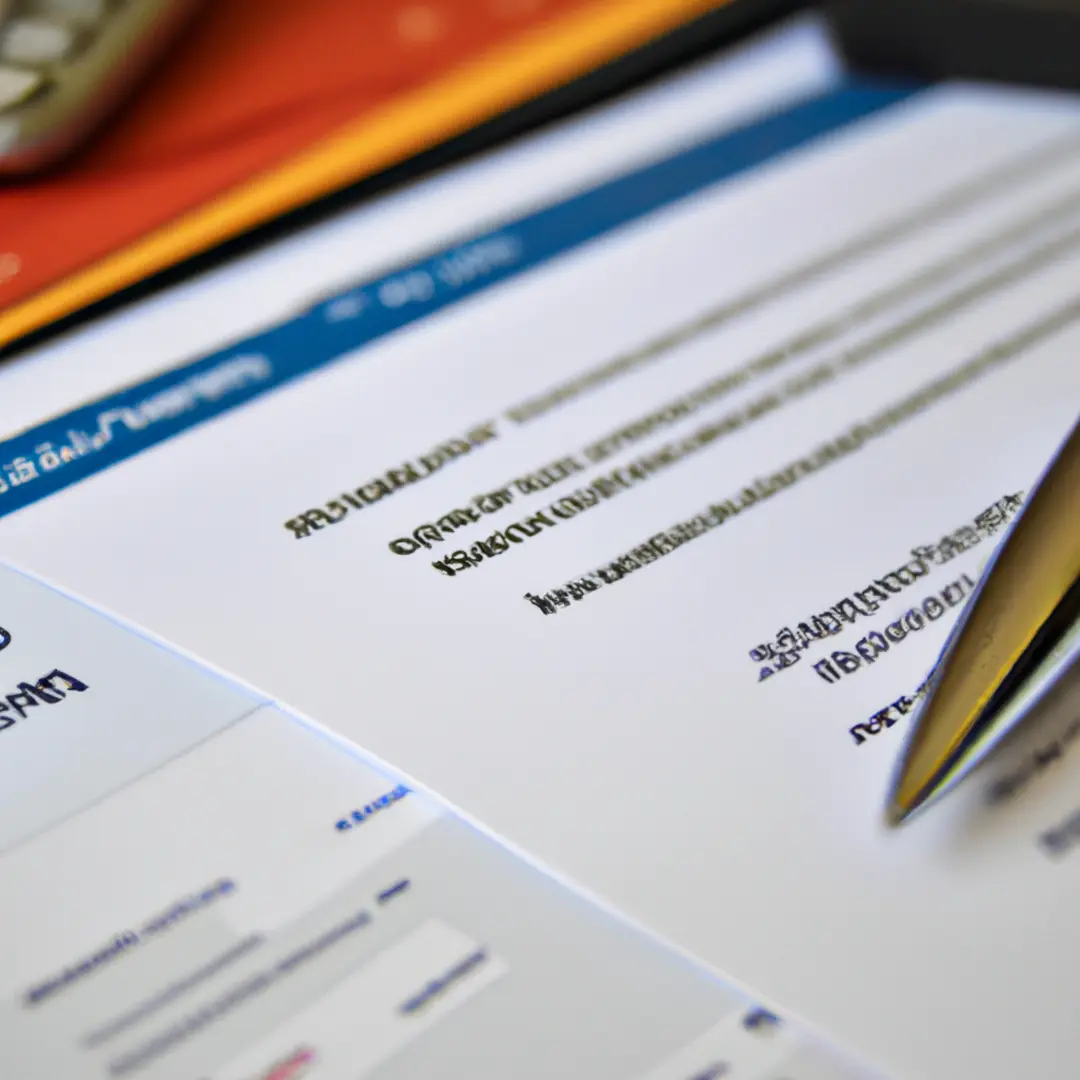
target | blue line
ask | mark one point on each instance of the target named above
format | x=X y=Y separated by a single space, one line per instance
x=62 y=451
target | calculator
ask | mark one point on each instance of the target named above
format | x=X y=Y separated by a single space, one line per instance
x=64 y=64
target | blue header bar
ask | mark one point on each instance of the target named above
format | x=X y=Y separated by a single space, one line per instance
x=65 y=450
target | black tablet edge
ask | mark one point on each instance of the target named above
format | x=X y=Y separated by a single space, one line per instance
x=1036 y=42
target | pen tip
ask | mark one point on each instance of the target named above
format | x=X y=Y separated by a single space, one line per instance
x=895 y=814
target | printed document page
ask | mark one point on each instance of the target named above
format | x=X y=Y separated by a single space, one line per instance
x=632 y=524
x=194 y=882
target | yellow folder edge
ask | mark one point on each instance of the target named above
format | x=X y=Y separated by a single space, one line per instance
x=506 y=76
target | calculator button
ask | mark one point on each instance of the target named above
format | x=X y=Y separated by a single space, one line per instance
x=34 y=41
x=16 y=86
x=83 y=12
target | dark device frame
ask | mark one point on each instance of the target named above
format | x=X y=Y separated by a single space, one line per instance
x=1025 y=41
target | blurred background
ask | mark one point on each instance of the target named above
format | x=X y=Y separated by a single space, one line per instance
x=137 y=135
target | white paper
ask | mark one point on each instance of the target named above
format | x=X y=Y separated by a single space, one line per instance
x=195 y=883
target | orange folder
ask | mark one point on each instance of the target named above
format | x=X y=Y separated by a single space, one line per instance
x=268 y=104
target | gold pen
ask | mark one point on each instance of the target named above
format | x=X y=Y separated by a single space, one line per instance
x=1019 y=633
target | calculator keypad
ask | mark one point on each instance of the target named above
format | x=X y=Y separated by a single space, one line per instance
x=35 y=42
x=16 y=85
x=39 y=39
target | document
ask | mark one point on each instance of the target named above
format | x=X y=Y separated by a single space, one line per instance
x=194 y=882
x=632 y=524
